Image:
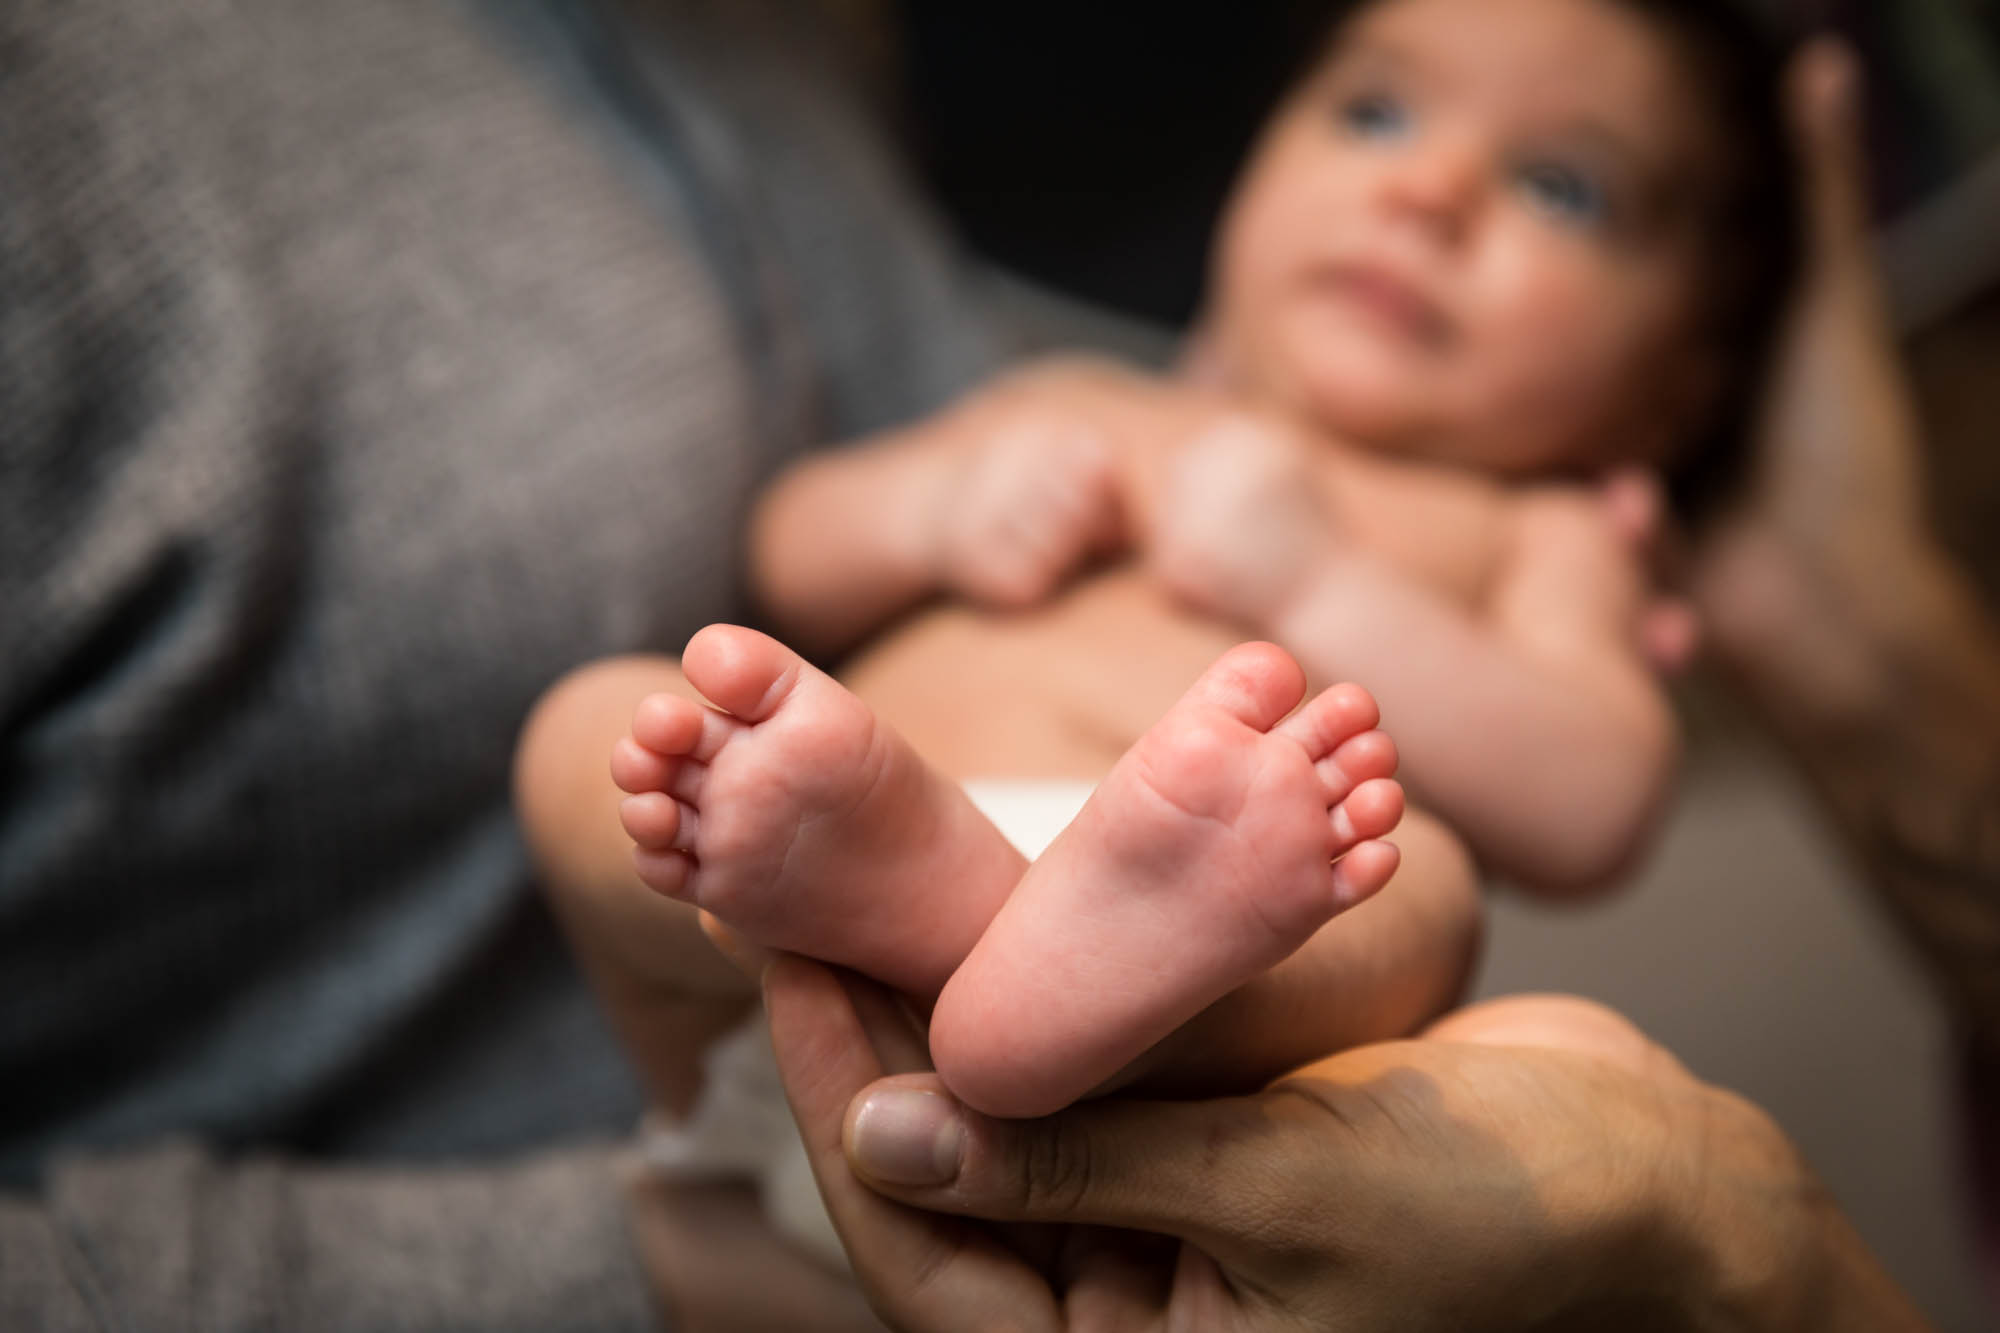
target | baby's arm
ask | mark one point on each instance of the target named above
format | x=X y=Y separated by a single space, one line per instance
x=997 y=499
x=1529 y=721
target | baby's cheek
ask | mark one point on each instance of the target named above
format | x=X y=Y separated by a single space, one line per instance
x=1535 y=284
x=1560 y=337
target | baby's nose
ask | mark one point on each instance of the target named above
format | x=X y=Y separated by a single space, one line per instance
x=1440 y=184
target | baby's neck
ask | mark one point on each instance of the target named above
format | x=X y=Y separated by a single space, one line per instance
x=1200 y=364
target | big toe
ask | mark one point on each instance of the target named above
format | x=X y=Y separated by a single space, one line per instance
x=1256 y=683
x=740 y=671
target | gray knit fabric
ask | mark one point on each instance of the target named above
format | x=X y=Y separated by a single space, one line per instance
x=354 y=383
x=165 y=1240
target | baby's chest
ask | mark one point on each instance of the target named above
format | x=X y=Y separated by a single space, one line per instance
x=1446 y=531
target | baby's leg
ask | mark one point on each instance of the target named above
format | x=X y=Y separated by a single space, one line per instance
x=1381 y=971
x=1215 y=848
x=806 y=824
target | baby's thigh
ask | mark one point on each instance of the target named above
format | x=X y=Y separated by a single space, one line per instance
x=1059 y=691
x=562 y=779
x=1376 y=972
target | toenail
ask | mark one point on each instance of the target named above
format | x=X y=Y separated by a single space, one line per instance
x=906 y=1137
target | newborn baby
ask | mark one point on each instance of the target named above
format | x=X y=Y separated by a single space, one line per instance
x=1486 y=254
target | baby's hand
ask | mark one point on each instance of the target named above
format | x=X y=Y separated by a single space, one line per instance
x=1240 y=521
x=1668 y=632
x=1030 y=497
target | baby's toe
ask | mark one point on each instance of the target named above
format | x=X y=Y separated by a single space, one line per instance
x=665 y=872
x=653 y=820
x=637 y=769
x=1330 y=718
x=1371 y=810
x=668 y=724
x=1361 y=873
x=1372 y=754
x=742 y=672
x=1255 y=683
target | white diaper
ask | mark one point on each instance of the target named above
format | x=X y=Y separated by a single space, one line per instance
x=741 y=1129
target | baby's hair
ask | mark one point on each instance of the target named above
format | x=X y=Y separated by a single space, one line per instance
x=1753 y=237
x=1735 y=62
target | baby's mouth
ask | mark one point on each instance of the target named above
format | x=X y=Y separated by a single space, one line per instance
x=1388 y=299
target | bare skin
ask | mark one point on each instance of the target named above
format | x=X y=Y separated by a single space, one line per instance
x=1464 y=264
x=1532 y=1163
x=1228 y=835
x=1834 y=603
x=1732 y=1219
x=1383 y=968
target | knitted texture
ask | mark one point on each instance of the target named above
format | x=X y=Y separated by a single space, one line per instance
x=353 y=386
x=166 y=1239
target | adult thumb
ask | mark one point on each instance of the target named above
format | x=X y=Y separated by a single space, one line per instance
x=1216 y=1174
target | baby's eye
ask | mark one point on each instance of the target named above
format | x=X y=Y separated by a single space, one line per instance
x=1564 y=193
x=1374 y=116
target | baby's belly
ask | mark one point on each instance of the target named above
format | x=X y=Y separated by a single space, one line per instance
x=1060 y=690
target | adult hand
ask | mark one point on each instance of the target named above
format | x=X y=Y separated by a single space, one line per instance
x=1531 y=1164
x=1832 y=601
x=1831 y=545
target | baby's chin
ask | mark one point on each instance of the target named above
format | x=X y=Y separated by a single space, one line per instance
x=1388 y=410
x=1381 y=413
x=1384 y=398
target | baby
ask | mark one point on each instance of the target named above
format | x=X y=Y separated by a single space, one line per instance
x=1487 y=252
x=1484 y=254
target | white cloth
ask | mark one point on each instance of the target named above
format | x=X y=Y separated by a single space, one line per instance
x=740 y=1127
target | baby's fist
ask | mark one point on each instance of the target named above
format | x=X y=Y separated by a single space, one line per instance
x=1023 y=507
x=1240 y=519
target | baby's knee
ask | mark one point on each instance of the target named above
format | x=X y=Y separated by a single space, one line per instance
x=561 y=778
x=1439 y=875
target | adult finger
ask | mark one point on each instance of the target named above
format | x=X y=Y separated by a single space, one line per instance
x=1823 y=97
x=1839 y=419
x=922 y=1273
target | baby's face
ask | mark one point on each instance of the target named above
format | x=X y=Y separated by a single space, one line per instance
x=1474 y=234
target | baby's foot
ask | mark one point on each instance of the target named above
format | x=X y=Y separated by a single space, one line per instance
x=796 y=817
x=1205 y=857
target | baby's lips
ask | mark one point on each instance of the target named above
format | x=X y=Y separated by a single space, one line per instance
x=1388 y=297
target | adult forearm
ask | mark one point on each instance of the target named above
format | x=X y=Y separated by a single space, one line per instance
x=1758 y=1245
x=1893 y=710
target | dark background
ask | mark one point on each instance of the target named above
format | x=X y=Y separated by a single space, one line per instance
x=1089 y=147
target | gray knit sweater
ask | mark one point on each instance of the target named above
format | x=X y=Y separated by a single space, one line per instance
x=363 y=366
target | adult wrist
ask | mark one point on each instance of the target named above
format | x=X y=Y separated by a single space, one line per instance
x=1748 y=1224
x=1762 y=1247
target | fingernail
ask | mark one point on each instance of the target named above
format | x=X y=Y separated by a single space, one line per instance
x=904 y=1137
